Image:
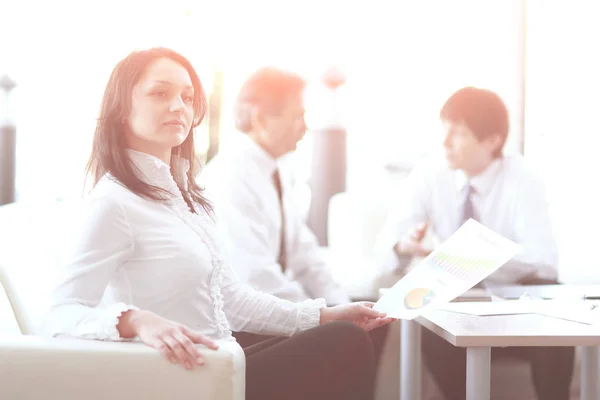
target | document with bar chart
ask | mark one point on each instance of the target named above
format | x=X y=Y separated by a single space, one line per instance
x=468 y=256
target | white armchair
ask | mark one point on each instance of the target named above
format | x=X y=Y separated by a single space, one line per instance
x=33 y=368
x=73 y=369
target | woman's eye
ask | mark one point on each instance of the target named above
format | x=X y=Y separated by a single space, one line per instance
x=188 y=98
x=159 y=94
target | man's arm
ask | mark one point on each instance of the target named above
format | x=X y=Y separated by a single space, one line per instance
x=408 y=216
x=538 y=258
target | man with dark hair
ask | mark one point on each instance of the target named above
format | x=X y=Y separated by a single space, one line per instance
x=477 y=181
x=272 y=248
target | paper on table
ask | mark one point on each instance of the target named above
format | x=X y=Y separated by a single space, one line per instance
x=581 y=312
x=468 y=256
x=576 y=311
x=492 y=307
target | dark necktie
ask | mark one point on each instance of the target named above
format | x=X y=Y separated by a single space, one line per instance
x=282 y=252
x=468 y=211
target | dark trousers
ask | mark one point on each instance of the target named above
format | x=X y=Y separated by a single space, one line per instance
x=334 y=361
x=552 y=367
x=377 y=336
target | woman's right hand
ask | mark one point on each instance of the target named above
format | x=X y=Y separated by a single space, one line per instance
x=360 y=313
x=175 y=341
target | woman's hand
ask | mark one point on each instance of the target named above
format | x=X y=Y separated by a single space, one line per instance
x=361 y=314
x=175 y=341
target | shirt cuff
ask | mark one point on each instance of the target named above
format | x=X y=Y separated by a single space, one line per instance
x=310 y=314
x=105 y=326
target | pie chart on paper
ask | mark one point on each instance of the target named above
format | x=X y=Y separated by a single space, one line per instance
x=418 y=298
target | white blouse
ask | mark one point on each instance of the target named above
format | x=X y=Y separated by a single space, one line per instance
x=132 y=253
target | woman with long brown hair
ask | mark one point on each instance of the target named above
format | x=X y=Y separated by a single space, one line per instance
x=147 y=262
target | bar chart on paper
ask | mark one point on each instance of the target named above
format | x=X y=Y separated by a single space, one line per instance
x=462 y=261
x=459 y=266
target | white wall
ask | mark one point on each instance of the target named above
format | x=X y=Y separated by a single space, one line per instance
x=562 y=128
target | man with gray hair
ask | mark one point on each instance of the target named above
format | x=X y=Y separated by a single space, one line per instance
x=272 y=248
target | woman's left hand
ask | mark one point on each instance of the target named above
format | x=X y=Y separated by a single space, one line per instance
x=360 y=313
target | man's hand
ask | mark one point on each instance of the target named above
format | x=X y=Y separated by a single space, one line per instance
x=411 y=243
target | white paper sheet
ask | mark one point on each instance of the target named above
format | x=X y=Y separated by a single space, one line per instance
x=462 y=261
x=508 y=307
x=575 y=311
x=581 y=311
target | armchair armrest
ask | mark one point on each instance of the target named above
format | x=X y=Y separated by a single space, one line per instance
x=69 y=369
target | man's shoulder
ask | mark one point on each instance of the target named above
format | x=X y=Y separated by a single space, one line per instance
x=521 y=169
x=229 y=182
x=220 y=164
x=221 y=171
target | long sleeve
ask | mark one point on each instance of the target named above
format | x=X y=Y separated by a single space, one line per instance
x=409 y=210
x=532 y=226
x=100 y=244
x=249 y=310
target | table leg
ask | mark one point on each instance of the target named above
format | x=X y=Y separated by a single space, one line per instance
x=590 y=382
x=478 y=373
x=410 y=360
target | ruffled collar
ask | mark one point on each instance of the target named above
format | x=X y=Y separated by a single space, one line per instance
x=157 y=173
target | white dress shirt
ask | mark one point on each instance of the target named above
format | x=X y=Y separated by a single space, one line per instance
x=508 y=198
x=129 y=252
x=240 y=179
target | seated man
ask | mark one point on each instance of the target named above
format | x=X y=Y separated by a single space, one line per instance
x=275 y=250
x=477 y=181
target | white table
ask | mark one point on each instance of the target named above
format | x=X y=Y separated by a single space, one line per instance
x=479 y=334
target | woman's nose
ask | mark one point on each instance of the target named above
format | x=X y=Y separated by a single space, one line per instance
x=177 y=104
